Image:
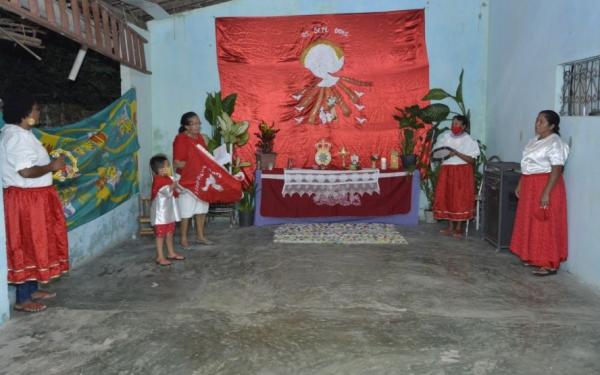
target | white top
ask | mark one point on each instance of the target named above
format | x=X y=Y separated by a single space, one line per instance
x=164 y=209
x=20 y=149
x=462 y=143
x=540 y=155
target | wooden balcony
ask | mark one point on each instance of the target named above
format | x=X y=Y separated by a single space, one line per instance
x=91 y=23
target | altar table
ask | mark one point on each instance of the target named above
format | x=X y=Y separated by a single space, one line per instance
x=309 y=196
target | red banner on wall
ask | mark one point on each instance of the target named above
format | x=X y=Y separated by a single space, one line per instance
x=333 y=77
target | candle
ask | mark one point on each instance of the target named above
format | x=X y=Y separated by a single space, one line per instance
x=383 y=162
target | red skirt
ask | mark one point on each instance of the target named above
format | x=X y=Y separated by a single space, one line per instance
x=162 y=230
x=538 y=240
x=455 y=193
x=36 y=234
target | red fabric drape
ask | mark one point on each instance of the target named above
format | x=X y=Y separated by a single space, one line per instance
x=338 y=77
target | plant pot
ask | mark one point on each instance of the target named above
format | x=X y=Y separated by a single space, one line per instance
x=429 y=217
x=265 y=161
x=246 y=218
x=408 y=161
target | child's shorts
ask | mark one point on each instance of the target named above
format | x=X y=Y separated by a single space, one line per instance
x=161 y=230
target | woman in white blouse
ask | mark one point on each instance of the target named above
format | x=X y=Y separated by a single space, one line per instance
x=455 y=189
x=36 y=232
x=540 y=230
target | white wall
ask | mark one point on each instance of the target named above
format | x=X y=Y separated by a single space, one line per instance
x=184 y=61
x=142 y=83
x=527 y=42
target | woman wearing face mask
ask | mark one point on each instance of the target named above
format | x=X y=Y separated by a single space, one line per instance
x=455 y=190
x=185 y=160
x=540 y=230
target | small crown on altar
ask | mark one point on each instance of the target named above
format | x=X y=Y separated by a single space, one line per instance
x=323 y=145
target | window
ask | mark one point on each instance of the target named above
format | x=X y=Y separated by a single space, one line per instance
x=580 y=94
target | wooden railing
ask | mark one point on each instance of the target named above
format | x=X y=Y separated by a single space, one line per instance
x=89 y=22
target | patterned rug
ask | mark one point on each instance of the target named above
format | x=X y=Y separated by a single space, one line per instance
x=339 y=233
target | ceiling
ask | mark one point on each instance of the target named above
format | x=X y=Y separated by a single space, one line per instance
x=138 y=16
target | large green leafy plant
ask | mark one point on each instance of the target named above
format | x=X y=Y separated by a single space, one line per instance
x=233 y=133
x=431 y=169
x=215 y=106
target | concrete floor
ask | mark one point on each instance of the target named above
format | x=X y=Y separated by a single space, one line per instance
x=248 y=306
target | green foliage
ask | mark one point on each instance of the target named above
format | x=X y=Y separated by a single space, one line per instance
x=233 y=133
x=429 y=178
x=413 y=117
x=239 y=165
x=266 y=137
x=248 y=199
x=215 y=106
x=429 y=181
x=409 y=122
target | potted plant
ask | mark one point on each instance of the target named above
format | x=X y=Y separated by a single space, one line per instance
x=246 y=205
x=409 y=123
x=265 y=157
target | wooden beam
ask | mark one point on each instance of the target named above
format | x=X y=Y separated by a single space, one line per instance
x=115 y=37
x=49 y=5
x=76 y=14
x=106 y=31
x=64 y=21
x=97 y=24
x=87 y=21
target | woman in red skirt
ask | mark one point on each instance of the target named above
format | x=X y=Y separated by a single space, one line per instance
x=455 y=190
x=540 y=231
x=36 y=231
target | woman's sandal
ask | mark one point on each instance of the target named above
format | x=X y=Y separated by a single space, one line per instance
x=205 y=242
x=162 y=263
x=457 y=233
x=544 y=272
x=42 y=295
x=31 y=307
x=176 y=257
x=446 y=232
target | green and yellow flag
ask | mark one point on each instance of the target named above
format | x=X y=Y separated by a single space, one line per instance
x=105 y=147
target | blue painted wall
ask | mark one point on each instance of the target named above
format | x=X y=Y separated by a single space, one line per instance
x=528 y=40
x=184 y=61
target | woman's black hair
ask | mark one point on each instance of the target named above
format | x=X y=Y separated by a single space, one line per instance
x=553 y=119
x=185 y=120
x=463 y=120
x=157 y=162
x=17 y=107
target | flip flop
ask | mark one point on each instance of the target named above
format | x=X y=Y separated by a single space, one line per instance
x=162 y=264
x=45 y=295
x=188 y=247
x=205 y=242
x=446 y=232
x=544 y=272
x=31 y=307
x=176 y=257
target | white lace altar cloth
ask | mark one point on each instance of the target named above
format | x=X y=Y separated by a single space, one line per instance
x=331 y=188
